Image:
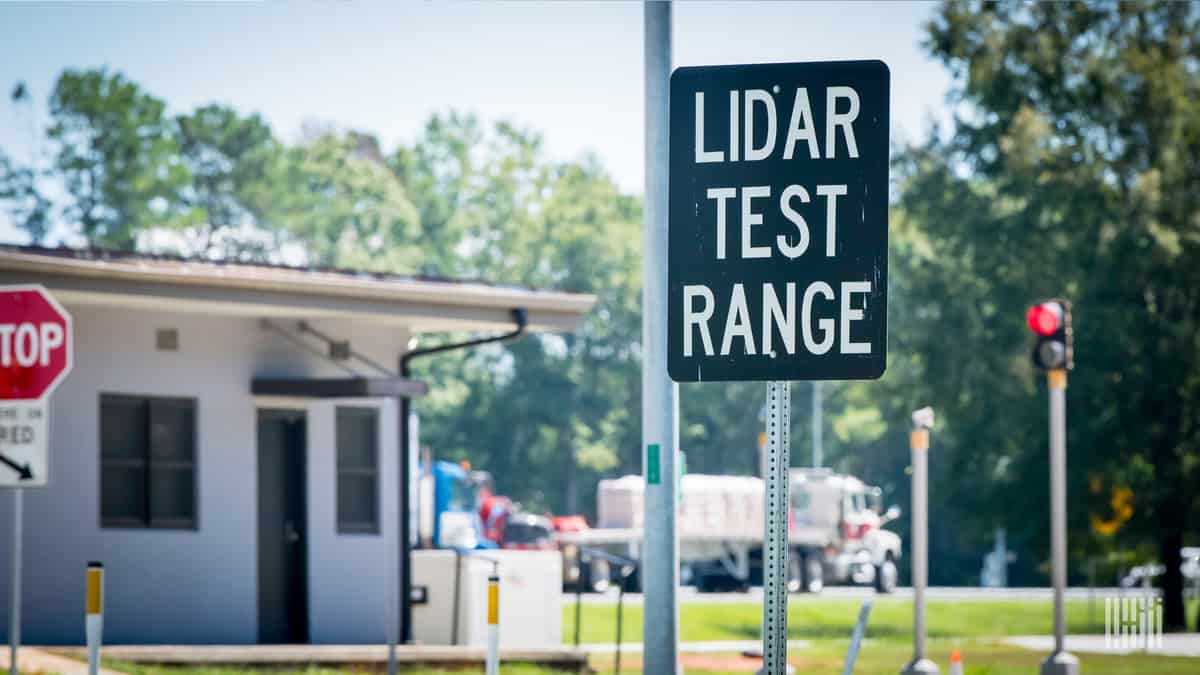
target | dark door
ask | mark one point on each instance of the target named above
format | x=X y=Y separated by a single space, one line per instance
x=282 y=510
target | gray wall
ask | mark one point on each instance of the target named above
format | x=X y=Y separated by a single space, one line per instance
x=351 y=577
x=190 y=586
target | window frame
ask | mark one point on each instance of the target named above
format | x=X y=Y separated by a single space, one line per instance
x=349 y=527
x=148 y=464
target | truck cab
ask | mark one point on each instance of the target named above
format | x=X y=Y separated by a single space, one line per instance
x=448 y=507
x=838 y=525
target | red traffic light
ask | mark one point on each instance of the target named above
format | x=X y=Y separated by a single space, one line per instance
x=1044 y=319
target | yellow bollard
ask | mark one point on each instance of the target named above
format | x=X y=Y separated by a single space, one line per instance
x=493 y=652
x=95 y=614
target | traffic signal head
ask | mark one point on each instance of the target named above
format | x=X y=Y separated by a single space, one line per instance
x=1050 y=322
x=1044 y=319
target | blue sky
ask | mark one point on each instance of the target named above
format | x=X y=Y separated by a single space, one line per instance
x=571 y=71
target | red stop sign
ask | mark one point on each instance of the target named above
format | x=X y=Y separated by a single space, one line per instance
x=35 y=343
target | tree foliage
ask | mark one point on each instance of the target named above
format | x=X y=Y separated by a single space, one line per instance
x=116 y=155
x=1071 y=171
x=334 y=194
x=27 y=207
x=226 y=157
x=567 y=404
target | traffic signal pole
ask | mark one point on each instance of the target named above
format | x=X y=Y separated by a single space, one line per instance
x=660 y=408
x=1060 y=662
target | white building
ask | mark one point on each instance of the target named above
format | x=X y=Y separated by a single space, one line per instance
x=222 y=516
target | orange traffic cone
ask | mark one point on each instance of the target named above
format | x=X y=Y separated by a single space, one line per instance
x=956 y=667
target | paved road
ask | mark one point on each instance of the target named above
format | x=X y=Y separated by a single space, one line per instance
x=1173 y=644
x=956 y=593
x=1177 y=644
x=714 y=647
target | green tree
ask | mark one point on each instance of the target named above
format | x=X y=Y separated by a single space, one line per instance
x=333 y=194
x=115 y=154
x=226 y=156
x=1070 y=172
x=564 y=406
x=439 y=172
x=29 y=209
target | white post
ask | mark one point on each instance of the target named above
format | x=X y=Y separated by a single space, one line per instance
x=1147 y=621
x=1060 y=662
x=94 y=625
x=493 y=629
x=14 y=607
x=660 y=410
x=775 y=530
x=918 y=443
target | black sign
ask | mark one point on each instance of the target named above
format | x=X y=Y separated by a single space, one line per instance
x=777 y=263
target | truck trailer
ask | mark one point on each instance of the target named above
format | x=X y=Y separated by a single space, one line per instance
x=835 y=532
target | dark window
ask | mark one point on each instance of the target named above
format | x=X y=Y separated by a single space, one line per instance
x=358 y=471
x=147 y=462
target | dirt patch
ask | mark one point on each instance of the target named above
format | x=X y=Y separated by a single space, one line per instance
x=724 y=663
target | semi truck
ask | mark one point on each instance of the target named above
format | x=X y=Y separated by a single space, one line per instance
x=459 y=508
x=447 y=512
x=835 y=532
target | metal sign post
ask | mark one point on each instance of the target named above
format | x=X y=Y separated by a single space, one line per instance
x=776 y=262
x=1060 y=662
x=14 y=607
x=35 y=357
x=775 y=539
x=856 y=638
x=660 y=408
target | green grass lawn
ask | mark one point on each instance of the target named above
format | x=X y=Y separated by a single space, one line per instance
x=967 y=626
x=137 y=669
x=886 y=658
x=815 y=617
x=878 y=657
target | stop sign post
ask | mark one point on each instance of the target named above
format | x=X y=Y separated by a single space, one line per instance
x=35 y=356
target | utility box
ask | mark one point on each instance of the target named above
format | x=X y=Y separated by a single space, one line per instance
x=530 y=597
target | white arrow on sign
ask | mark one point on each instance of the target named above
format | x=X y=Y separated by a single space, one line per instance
x=24 y=443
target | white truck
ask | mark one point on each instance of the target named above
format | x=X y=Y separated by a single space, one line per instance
x=835 y=531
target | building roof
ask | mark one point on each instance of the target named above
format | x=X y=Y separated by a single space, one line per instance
x=424 y=304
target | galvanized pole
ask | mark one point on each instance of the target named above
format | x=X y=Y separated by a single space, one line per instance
x=775 y=535
x=660 y=410
x=860 y=628
x=817 y=429
x=919 y=446
x=14 y=608
x=1060 y=662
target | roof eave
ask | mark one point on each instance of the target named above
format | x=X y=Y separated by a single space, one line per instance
x=427 y=305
